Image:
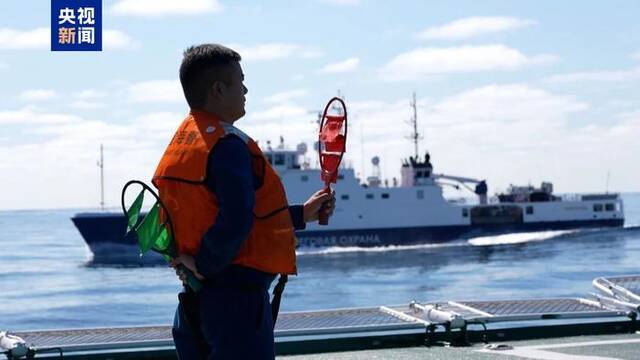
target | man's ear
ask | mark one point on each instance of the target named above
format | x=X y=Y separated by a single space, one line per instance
x=218 y=88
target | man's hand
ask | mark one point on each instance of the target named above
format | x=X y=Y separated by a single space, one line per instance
x=311 y=210
x=189 y=263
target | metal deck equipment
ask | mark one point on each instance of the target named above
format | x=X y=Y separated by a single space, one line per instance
x=413 y=324
x=619 y=292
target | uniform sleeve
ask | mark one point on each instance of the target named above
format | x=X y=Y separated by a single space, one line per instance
x=230 y=178
x=297 y=216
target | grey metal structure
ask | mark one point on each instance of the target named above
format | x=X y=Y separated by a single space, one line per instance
x=305 y=331
x=341 y=321
x=620 y=292
x=520 y=310
x=100 y=339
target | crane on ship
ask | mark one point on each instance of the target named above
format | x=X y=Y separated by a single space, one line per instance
x=479 y=189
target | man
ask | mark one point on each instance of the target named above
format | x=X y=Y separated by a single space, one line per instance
x=232 y=224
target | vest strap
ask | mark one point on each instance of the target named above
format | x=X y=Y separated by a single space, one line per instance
x=273 y=213
x=277 y=296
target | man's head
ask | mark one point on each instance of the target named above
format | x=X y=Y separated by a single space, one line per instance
x=212 y=80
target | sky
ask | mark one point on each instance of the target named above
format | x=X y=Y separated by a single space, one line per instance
x=513 y=92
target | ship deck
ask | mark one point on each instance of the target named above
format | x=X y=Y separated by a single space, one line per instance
x=532 y=328
x=621 y=346
x=569 y=339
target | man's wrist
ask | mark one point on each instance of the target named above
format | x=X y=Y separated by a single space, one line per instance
x=299 y=216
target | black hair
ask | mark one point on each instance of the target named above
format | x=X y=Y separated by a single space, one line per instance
x=201 y=66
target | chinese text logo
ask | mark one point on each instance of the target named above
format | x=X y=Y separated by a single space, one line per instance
x=76 y=25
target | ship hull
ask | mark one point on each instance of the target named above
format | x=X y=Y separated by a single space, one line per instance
x=435 y=234
x=104 y=233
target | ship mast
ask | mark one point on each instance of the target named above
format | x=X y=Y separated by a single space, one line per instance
x=101 y=166
x=415 y=136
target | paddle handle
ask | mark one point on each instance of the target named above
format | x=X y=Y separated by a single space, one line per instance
x=323 y=217
x=192 y=280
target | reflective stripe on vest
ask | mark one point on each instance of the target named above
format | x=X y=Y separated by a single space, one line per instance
x=180 y=176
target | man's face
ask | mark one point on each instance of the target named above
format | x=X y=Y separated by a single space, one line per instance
x=235 y=90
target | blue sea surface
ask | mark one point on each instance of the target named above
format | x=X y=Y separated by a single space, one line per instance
x=48 y=279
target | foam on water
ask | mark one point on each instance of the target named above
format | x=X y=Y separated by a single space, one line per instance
x=517 y=238
x=348 y=249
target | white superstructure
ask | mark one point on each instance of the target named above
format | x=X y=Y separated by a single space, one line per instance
x=416 y=204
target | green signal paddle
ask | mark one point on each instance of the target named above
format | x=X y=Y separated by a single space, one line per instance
x=153 y=233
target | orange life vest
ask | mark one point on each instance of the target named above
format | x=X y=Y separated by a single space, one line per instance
x=193 y=209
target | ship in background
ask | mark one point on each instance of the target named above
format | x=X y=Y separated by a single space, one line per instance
x=410 y=211
x=415 y=211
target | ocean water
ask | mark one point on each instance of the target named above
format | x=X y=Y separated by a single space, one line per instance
x=48 y=279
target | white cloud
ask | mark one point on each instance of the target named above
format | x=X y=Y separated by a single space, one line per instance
x=156 y=8
x=87 y=105
x=29 y=116
x=115 y=39
x=88 y=99
x=474 y=26
x=596 y=76
x=279 y=112
x=90 y=94
x=480 y=133
x=292 y=121
x=40 y=38
x=477 y=133
x=273 y=51
x=155 y=91
x=160 y=122
x=37 y=95
x=347 y=65
x=488 y=104
x=83 y=126
x=286 y=96
x=65 y=147
x=293 y=131
x=12 y=39
x=423 y=62
x=340 y=2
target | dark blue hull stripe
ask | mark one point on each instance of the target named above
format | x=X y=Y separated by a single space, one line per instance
x=435 y=234
x=100 y=230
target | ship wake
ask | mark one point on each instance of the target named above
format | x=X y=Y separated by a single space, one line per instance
x=349 y=249
x=517 y=238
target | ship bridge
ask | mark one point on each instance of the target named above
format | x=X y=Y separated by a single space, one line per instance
x=283 y=159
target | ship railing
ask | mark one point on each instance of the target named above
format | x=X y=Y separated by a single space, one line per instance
x=590 y=197
x=598 y=197
x=570 y=197
x=621 y=291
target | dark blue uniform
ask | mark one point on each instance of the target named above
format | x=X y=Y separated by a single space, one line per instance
x=233 y=306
